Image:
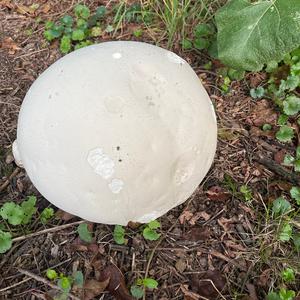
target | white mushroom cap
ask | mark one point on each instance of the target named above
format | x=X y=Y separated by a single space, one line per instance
x=117 y=132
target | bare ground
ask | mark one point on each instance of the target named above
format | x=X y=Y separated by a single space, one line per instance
x=214 y=237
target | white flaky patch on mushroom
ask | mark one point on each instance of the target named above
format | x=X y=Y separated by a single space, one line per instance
x=116 y=185
x=101 y=163
x=16 y=154
x=127 y=132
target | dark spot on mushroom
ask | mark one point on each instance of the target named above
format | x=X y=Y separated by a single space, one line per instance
x=118 y=148
x=120 y=160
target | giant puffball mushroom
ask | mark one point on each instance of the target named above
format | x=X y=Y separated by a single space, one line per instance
x=117 y=132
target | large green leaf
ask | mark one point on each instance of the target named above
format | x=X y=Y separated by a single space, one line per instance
x=253 y=34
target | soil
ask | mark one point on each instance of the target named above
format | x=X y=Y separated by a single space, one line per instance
x=214 y=246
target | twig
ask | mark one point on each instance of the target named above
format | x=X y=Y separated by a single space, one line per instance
x=31 y=53
x=12 y=104
x=212 y=283
x=53 y=229
x=6 y=182
x=27 y=279
x=222 y=256
x=45 y=281
x=279 y=170
x=14 y=285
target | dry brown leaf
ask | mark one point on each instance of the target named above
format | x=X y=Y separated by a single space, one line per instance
x=247 y=210
x=225 y=223
x=63 y=215
x=264 y=278
x=255 y=131
x=186 y=215
x=279 y=156
x=198 y=215
x=252 y=291
x=93 y=288
x=217 y=193
x=116 y=285
x=133 y=225
x=10 y=45
x=197 y=234
x=78 y=247
x=46 y=8
x=27 y=10
x=180 y=265
x=263 y=114
x=234 y=246
x=93 y=248
x=6 y=3
x=188 y=295
x=209 y=284
x=256 y=79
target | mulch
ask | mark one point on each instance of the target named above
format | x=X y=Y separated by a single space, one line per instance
x=211 y=245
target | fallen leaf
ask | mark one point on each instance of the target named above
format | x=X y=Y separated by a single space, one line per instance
x=197 y=234
x=6 y=3
x=9 y=45
x=256 y=79
x=217 y=193
x=234 y=246
x=279 y=156
x=180 y=265
x=188 y=295
x=247 y=210
x=52 y=294
x=263 y=114
x=93 y=248
x=63 y=215
x=252 y=291
x=46 y=8
x=186 y=215
x=116 y=285
x=264 y=278
x=225 y=223
x=256 y=131
x=76 y=246
x=197 y=216
x=27 y=10
x=93 y=288
x=134 y=225
x=209 y=284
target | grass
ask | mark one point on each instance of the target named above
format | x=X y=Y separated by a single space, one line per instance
x=169 y=22
x=179 y=17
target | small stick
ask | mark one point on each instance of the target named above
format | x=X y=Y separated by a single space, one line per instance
x=45 y=281
x=14 y=285
x=26 y=279
x=53 y=229
x=222 y=256
x=6 y=182
x=212 y=283
x=279 y=170
x=31 y=53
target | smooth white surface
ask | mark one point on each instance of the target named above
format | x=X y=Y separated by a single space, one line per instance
x=117 y=132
